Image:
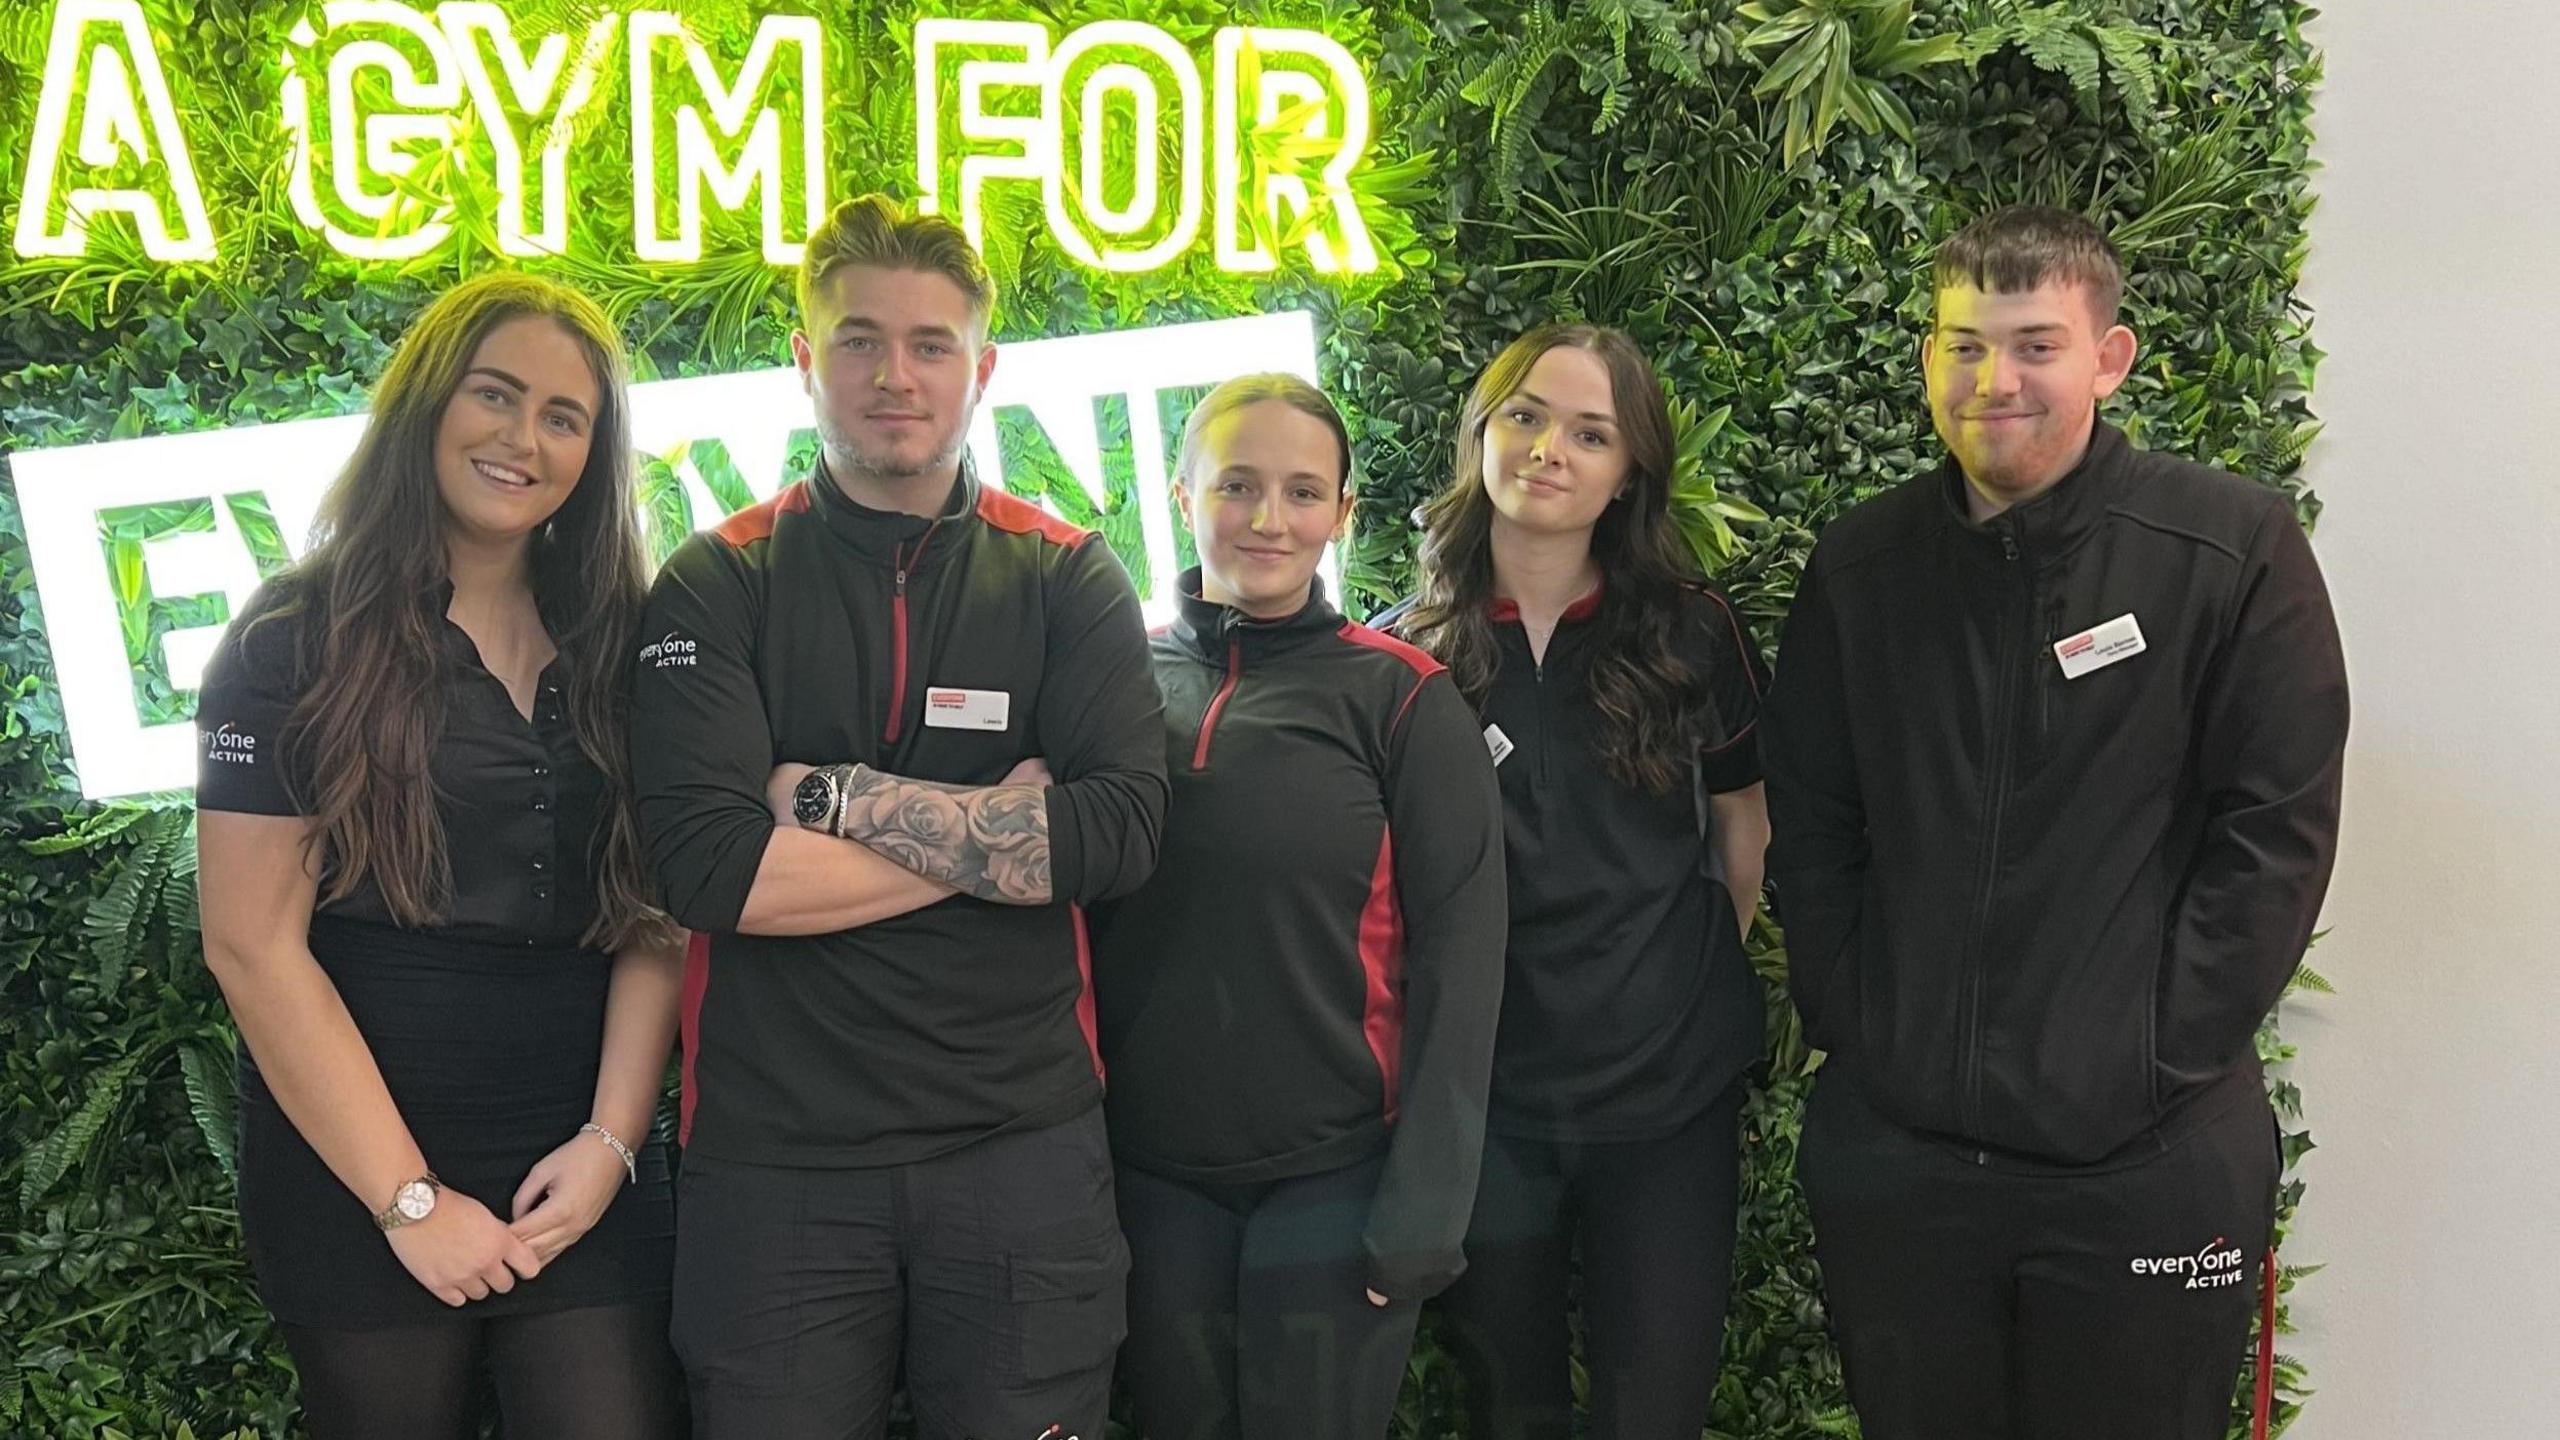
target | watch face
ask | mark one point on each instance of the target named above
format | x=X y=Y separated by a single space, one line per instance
x=815 y=797
x=415 y=1200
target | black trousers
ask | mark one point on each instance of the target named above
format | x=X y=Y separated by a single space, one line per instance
x=997 y=1272
x=1654 y=1222
x=1248 y=1312
x=1978 y=1303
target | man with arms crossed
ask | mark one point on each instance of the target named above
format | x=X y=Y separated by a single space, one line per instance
x=844 y=699
x=2053 y=762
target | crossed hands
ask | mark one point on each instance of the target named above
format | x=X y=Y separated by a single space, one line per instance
x=461 y=1252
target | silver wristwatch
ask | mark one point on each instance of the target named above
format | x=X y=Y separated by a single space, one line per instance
x=818 y=802
x=411 y=1203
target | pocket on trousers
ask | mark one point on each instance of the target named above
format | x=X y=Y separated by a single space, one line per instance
x=1070 y=1306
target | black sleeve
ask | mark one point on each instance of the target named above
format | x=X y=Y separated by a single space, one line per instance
x=700 y=748
x=2270 y=746
x=1729 y=756
x=250 y=686
x=1101 y=732
x=1444 y=826
x=1818 y=816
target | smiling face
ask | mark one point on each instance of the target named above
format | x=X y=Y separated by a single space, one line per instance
x=1554 y=459
x=895 y=362
x=1265 y=495
x=516 y=431
x=2014 y=379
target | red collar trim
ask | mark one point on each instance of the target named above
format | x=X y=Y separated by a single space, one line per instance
x=1501 y=611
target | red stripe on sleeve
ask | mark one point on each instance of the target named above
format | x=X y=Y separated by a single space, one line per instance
x=756 y=521
x=1382 y=969
x=1084 y=994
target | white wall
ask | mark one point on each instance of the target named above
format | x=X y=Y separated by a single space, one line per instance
x=2434 y=1076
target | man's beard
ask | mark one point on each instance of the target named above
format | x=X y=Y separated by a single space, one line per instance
x=884 y=464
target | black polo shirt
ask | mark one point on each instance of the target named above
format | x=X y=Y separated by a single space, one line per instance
x=522 y=805
x=1628 y=1004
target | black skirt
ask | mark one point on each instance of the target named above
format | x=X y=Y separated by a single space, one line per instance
x=490 y=1051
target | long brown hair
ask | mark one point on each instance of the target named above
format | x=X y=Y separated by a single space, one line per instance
x=370 y=590
x=1649 y=700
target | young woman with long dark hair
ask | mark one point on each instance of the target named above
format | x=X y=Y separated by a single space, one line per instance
x=1297 y=1010
x=423 y=898
x=1618 y=694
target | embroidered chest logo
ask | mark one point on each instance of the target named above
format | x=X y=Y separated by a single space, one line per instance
x=674 y=649
x=2215 y=1266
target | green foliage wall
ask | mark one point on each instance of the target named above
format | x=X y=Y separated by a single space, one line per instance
x=1753 y=189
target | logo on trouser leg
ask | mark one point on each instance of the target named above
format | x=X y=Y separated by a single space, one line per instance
x=2211 y=1268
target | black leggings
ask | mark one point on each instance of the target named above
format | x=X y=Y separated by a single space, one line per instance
x=1248 y=1317
x=1654 y=1221
x=604 y=1372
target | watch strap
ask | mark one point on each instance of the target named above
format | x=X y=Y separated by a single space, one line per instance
x=391 y=1216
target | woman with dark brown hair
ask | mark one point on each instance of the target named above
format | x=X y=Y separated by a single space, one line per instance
x=1618 y=694
x=423 y=899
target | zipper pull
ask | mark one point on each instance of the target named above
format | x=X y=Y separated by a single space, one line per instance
x=2008 y=546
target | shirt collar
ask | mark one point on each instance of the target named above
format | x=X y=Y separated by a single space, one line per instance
x=1206 y=628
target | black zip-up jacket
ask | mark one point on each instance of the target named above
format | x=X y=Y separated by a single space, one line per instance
x=809 y=629
x=1314 y=971
x=2037 y=916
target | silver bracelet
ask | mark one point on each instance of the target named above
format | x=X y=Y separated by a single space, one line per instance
x=630 y=1166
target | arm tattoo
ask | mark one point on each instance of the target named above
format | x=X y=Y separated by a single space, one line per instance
x=991 y=841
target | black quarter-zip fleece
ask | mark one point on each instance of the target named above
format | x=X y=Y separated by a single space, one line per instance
x=810 y=629
x=1313 y=972
x=2038 y=916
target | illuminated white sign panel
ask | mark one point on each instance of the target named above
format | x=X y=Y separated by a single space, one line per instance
x=62 y=493
x=1129 y=148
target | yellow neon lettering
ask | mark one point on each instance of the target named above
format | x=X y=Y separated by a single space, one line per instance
x=697 y=164
x=379 y=158
x=961 y=147
x=534 y=105
x=1299 y=117
x=114 y=122
x=1079 y=62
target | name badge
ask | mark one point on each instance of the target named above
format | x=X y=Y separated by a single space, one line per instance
x=2118 y=639
x=1497 y=742
x=967 y=709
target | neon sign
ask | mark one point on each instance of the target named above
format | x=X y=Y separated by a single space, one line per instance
x=1130 y=150
x=1289 y=95
x=114 y=123
x=65 y=495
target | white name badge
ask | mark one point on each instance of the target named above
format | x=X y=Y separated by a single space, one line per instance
x=1497 y=742
x=2097 y=649
x=967 y=709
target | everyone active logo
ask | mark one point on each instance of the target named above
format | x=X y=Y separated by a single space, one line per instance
x=227 y=745
x=674 y=649
x=2211 y=1268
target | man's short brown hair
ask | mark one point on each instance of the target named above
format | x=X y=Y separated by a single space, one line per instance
x=876 y=230
x=2025 y=247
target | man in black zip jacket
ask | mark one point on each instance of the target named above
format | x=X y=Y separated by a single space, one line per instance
x=842 y=705
x=2053 y=760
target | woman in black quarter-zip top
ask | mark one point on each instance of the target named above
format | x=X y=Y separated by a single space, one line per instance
x=1297 y=1011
